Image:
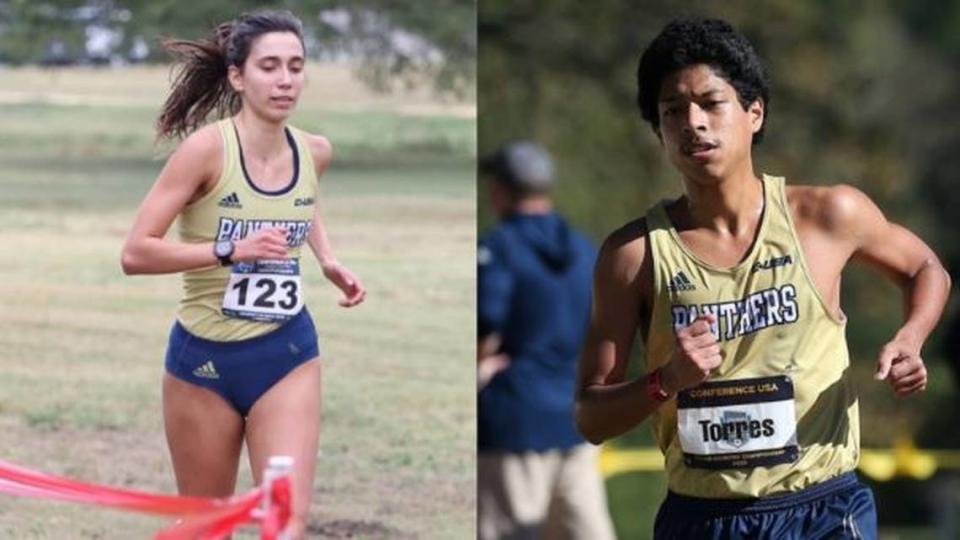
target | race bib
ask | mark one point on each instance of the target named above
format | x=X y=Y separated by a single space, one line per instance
x=738 y=424
x=264 y=291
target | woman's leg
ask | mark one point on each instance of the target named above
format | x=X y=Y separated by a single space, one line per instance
x=204 y=434
x=286 y=421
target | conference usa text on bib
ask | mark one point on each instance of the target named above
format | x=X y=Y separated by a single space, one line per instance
x=738 y=423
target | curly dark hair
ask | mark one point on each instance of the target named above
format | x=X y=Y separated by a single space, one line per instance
x=686 y=42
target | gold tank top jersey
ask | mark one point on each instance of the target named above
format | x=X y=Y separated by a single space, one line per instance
x=233 y=209
x=780 y=413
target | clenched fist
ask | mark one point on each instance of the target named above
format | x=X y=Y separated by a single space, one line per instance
x=268 y=243
x=900 y=364
x=695 y=354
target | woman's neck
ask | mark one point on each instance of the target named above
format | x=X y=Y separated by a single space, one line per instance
x=261 y=139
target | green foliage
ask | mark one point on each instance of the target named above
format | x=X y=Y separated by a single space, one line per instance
x=449 y=26
x=858 y=96
x=633 y=510
x=839 y=112
x=861 y=94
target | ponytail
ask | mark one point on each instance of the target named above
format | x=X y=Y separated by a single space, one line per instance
x=200 y=84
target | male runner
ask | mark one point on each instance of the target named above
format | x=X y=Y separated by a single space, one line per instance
x=735 y=288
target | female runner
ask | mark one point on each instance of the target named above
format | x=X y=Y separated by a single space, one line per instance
x=242 y=361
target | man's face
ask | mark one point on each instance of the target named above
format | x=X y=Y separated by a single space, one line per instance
x=501 y=199
x=703 y=127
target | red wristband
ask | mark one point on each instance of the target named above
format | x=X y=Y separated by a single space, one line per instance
x=655 y=387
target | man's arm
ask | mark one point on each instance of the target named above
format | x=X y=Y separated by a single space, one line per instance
x=607 y=405
x=494 y=289
x=490 y=360
x=907 y=261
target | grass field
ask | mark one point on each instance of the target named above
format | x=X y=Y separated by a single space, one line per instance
x=83 y=344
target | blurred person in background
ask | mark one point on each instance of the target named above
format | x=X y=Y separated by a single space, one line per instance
x=735 y=289
x=537 y=477
x=243 y=360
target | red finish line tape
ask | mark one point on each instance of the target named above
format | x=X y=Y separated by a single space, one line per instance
x=201 y=518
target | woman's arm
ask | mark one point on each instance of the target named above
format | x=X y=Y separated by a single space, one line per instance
x=338 y=274
x=189 y=173
x=191 y=167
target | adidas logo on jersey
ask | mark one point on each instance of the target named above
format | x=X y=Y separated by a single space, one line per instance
x=206 y=371
x=680 y=282
x=230 y=201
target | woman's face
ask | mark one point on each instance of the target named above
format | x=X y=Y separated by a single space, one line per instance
x=272 y=76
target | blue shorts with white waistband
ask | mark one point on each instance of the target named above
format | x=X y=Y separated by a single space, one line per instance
x=242 y=371
x=838 y=508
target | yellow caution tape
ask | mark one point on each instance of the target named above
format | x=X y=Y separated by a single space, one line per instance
x=903 y=460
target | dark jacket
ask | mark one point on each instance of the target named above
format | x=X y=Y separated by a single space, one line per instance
x=534 y=277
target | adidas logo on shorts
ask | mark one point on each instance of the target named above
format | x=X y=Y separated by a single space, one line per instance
x=680 y=282
x=206 y=371
x=230 y=201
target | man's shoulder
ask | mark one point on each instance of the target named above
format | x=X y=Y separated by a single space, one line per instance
x=494 y=236
x=629 y=238
x=623 y=255
x=623 y=268
x=496 y=243
x=821 y=194
x=833 y=206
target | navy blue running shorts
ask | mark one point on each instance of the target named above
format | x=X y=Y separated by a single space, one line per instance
x=242 y=371
x=839 y=508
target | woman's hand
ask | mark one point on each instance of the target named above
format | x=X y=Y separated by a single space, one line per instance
x=346 y=281
x=264 y=244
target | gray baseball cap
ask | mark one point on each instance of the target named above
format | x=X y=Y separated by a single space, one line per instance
x=524 y=166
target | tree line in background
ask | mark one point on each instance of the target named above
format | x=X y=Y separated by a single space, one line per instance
x=397 y=43
x=862 y=93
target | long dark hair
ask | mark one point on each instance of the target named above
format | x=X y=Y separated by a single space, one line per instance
x=200 y=84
